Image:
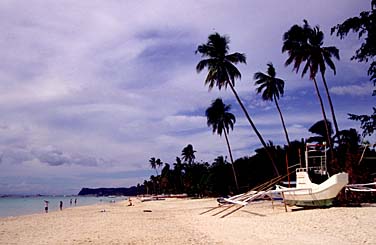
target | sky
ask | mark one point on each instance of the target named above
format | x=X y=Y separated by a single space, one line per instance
x=91 y=90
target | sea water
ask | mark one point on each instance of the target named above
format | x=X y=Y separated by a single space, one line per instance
x=15 y=206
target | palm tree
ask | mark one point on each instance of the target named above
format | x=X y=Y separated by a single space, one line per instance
x=303 y=44
x=158 y=163
x=221 y=120
x=155 y=163
x=271 y=88
x=222 y=72
x=188 y=154
x=319 y=129
x=319 y=57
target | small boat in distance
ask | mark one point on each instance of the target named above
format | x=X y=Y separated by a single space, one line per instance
x=146 y=198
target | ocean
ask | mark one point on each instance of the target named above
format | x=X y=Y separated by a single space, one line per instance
x=16 y=206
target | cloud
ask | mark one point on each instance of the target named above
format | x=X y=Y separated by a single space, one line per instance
x=353 y=90
x=49 y=155
x=102 y=87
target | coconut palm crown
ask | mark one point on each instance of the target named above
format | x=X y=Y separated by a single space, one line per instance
x=219 y=62
x=188 y=154
x=219 y=117
x=269 y=85
x=155 y=163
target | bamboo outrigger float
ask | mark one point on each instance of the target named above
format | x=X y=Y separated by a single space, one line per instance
x=365 y=187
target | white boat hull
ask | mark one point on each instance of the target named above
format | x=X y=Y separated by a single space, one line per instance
x=309 y=194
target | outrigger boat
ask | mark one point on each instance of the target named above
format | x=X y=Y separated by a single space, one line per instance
x=314 y=187
x=310 y=194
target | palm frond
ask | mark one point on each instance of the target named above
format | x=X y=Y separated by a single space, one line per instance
x=260 y=77
x=333 y=51
x=220 y=65
x=202 y=65
x=271 y=71
x=232 y=72
x=328 y=52
x=330 y=63
x=211 y=78
x=305 y=69
x=268 y=85
x=236 y=58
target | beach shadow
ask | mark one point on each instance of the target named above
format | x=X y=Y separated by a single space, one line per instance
x=257 y=214
x=206 y=211
x=296 y=209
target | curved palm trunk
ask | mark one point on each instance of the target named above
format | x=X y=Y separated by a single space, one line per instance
x=232 y=161
x=254 y=128
x=330 y=104
x=323 y=112
x=282 y=120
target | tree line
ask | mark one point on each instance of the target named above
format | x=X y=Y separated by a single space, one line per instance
x=305 y=49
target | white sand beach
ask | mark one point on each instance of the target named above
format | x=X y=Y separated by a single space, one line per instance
x=176 y=221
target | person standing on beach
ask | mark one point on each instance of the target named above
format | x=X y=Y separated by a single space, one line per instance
x=70 y=202
x=46 y=206
x=75 y=201
x=61 y=205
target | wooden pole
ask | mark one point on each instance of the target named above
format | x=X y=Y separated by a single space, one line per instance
x=284 y=201
x=287 y=168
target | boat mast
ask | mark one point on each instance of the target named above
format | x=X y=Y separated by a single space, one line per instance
x=315 y=158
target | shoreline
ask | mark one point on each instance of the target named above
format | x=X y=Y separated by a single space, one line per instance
x=19 y=206
x=178 y=221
